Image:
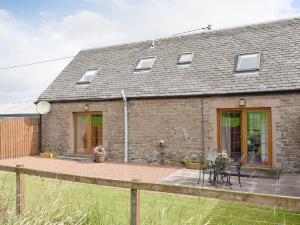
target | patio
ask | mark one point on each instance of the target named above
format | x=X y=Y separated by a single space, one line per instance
x=287 y=185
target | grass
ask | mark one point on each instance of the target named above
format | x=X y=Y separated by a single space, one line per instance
x=59 y=202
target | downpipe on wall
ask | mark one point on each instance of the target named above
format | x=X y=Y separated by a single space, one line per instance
x=125 y=126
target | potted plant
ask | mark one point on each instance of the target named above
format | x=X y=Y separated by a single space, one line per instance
x=100 y=154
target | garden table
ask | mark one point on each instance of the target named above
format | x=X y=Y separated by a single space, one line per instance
x=219 y=164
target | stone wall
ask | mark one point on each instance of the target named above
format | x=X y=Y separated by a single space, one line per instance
x=288 y=127
x=179 y=123
x=58 y=132
x=176 y=121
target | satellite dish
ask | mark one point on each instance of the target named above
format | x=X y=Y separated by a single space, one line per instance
x=43 y=107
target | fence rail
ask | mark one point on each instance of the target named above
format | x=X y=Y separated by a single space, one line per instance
x=19 y=137
x=286 y=202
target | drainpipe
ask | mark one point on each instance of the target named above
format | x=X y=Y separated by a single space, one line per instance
x=125 y=126
x=202 y=128
x=40 y=133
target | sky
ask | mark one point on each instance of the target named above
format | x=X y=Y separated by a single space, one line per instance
x=38 y=30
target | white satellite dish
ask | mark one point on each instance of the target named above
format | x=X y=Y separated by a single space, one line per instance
x=43 y=107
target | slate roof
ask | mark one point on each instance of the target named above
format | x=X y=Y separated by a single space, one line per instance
x=18 y=109
x=211 y=73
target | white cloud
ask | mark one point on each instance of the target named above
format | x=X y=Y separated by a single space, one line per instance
x=22 y=43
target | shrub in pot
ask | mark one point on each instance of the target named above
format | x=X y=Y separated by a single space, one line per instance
x=100 y=154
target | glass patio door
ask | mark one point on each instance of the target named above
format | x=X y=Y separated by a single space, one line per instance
x=82 y=130
x=257 y=138
x=231 y=134
x=246 y=132
x=88 y=132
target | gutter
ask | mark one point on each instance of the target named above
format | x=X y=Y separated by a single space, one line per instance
x=125 y=126
x=254 y=93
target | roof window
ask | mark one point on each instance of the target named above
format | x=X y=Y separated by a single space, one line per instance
x=145 y=63
x=88 y=76
x=248 y=62
x=186 y=58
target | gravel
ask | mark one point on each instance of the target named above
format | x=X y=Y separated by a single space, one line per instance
x=108 y=170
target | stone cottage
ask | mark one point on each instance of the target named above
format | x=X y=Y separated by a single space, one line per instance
x=173 y=99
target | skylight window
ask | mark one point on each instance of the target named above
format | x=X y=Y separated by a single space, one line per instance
x=248 y=62
x=145 y=63
x=186 y=58
x=88 y=76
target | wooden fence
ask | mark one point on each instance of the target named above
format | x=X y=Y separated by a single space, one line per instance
x=290 y=203
x=19 y=137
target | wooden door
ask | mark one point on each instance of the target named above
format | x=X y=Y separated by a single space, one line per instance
x=88 y=131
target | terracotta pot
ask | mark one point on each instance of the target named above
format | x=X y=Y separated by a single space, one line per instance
x=100 y=158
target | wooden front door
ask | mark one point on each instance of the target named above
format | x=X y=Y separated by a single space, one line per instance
x=88 y=131
x=246 y=132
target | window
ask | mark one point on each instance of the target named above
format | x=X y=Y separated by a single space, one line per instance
x=88 y=131
x=88 y=76
x=248 y=62
x=145 y=63
x=186 y=58
x=246 y=132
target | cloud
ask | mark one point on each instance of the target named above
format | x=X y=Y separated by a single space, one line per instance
x=23 y=42
x=171 y=16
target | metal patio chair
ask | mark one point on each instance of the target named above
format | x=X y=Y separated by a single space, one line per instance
x=238 y=165
x=207 y=166
x=223 y=169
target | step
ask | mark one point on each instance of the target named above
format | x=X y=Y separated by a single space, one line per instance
x=260 y=173
x=86 y=158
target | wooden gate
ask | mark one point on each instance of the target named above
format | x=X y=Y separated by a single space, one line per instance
x=19 y=137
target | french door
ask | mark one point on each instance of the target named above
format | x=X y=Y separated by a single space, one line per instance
x=246 y=132
x=88 y=131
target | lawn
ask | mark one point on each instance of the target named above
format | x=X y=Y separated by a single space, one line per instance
x=60 y=202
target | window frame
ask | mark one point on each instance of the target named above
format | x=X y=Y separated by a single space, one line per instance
x=237 y=69
x=89 y=130
x=244 y=133
x=87 y=82
x=185 y=62
x=145 y=68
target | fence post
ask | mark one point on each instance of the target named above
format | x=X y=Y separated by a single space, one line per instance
x=135 y=207
x=20 y=190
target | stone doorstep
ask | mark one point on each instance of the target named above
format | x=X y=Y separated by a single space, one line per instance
x=259 y=173
x=74 y=157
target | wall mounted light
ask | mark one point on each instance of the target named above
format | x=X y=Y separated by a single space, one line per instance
x=161 y=143
x=86 y=107
x=242 y=102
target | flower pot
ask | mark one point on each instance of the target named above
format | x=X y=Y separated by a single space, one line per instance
x=192 y=165
x=100 y=158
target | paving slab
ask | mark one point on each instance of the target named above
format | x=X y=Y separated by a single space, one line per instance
x=286 y=185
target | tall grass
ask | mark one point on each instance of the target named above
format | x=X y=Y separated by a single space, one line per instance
x=58 y=202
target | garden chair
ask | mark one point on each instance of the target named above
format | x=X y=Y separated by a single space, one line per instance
x=238 y=166
x=207 y=166
x=223 y=169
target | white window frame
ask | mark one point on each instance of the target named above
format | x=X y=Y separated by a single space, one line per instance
x=145 y=68
x=185 y=62
x=81 y=81
x=238 y=64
